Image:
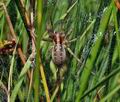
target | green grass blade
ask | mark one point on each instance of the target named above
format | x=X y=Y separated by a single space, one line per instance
x=11 y=73
x=111 y=94
x=116 y=71
x=95 y=49
x=117 y=30
x=20 y=80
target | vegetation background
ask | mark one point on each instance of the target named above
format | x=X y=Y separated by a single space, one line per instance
x=92 y=70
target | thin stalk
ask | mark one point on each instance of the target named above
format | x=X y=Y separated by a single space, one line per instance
x=55 y=93
x=29 y=23
x=116 y=21
x=30 y=85
x=10 y=74
x=109 y=67
x=44 y=83
x=39 y=66
x=63 y=16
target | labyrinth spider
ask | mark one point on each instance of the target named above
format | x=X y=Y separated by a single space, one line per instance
x=59 y=48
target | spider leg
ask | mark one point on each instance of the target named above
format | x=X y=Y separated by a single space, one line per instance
x=47 y=39
x=70 y=51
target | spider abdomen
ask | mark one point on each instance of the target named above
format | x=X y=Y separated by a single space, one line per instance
x=58 y=54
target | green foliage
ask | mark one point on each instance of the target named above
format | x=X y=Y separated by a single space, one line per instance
x=92 y=70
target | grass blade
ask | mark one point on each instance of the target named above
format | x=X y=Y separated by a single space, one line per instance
x=20 y=80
